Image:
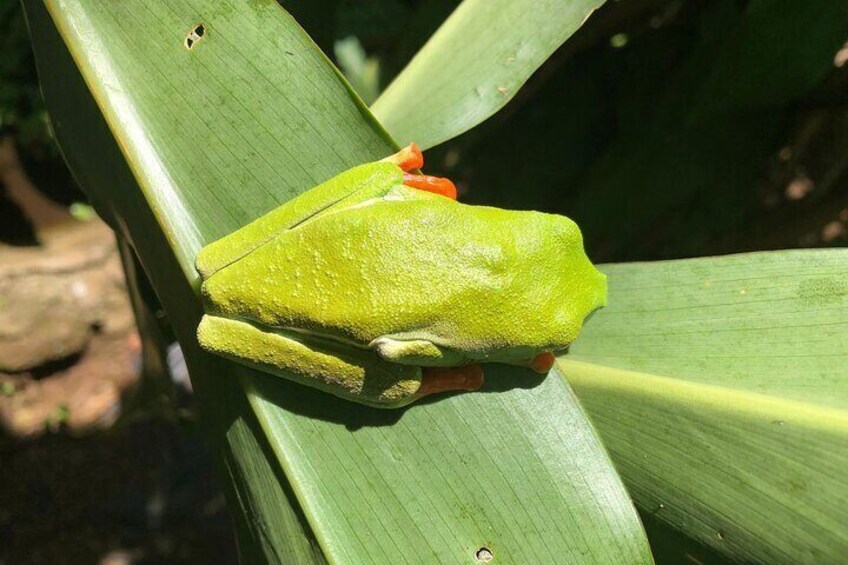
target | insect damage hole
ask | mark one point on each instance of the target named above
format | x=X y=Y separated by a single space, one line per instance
x=484 y=554
x=195 y=35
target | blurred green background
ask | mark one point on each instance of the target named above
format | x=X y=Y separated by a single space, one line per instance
x=664 y=128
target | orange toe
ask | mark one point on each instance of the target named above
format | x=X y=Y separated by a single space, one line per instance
x=408 y=158
x=436 y=185
x=543 y=362
x=437 y=379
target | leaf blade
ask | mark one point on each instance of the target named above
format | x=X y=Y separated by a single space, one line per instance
x=739 y=453
x=474 y=64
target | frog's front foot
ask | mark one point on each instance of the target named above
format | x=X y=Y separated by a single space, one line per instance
x=438 y=379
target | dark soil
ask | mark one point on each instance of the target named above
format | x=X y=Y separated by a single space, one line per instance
x=140 y=494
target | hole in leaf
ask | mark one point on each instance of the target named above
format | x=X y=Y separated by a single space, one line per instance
x=484 y=554
x=195 y=35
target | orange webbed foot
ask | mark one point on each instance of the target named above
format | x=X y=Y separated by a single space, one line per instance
x=410 y=159
x=436 y=185
x=437 y=379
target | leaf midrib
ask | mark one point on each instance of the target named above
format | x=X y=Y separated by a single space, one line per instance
x=721 y=400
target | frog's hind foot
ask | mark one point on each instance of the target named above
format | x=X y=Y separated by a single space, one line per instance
x=408 y=159
x=438 y=379
x=436 y=185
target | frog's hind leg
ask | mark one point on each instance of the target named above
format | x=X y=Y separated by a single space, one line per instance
x=421 y=352
x=442 y=369
x=354 y=374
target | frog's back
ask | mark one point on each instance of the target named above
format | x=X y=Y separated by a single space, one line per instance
x=482 y=278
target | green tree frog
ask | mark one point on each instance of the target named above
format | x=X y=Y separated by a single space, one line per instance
x=379 y=287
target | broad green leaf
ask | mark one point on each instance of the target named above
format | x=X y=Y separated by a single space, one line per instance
x=720 y=386
x=179 y=146
x=474 y=64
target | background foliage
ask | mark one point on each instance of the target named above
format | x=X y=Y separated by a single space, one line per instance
x=769 y=178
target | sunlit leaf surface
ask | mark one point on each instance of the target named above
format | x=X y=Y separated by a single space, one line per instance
x=720 y=386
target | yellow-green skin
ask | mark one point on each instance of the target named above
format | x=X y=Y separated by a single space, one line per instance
x=358 y=283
